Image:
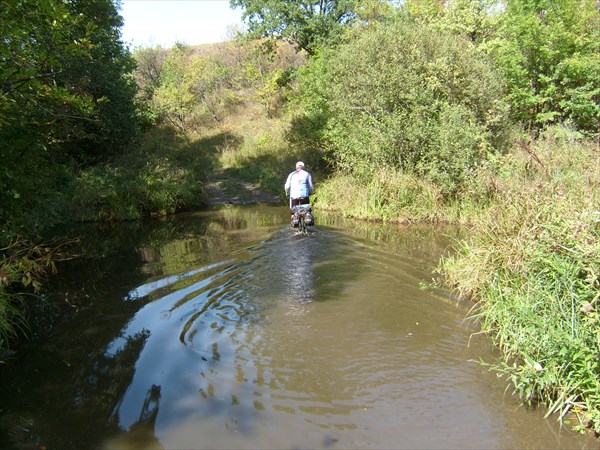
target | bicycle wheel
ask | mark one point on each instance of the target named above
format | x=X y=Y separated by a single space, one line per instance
x=302 y=224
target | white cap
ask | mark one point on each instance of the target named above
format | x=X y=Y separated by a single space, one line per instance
x=299 y=165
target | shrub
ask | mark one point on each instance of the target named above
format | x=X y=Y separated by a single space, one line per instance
x=389 y=196
x=108 y=193
x=23 y=265
x=407 y=97
x=532 y=263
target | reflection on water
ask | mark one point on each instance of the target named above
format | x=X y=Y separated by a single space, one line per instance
x=228 y=330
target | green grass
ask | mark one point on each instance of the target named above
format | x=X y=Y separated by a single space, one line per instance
x=532 y=264
x=265 y=157
x=12 y=319
x=163 y=176
x=389 y=196
x=260 y=159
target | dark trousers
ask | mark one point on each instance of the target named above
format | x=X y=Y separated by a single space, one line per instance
x=300 y=201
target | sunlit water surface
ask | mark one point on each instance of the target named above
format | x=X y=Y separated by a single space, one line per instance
x=227 y=330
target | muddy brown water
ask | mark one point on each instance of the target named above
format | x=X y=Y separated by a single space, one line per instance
x=225 y=329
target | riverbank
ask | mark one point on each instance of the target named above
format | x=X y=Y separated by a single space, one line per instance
x=529 y=263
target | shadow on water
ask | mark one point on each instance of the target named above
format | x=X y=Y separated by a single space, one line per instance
x=226 y=329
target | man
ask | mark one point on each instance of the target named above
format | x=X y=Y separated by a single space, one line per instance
x=299 y=186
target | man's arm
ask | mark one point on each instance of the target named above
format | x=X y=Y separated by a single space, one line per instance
x=288 y=184
x=311 y=186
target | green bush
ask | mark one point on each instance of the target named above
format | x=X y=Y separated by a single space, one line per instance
x=167 y=189
x=113 y=193
x=406 y=97
x=548 y=54
x=531 y=262
x=23 y=265
x=103 y=194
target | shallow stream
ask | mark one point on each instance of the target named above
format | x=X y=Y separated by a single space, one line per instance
x=225 y=329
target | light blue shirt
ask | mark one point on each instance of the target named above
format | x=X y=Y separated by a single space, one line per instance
x=299 y=184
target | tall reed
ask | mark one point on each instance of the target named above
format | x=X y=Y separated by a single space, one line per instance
x=390 y=196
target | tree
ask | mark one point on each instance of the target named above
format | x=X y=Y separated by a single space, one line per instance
x=307 y=24
x=469 y=18
x=212 y=88
x=147 y=76
x=426 y=10
x=548 y=53
x=190 y=88
x=174 y=100
x=64 y=97
x=37 y=112
x=407 y=97
x=266 y=72
x=149 y=68
x=106 y=77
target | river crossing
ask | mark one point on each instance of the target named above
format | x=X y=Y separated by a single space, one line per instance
x=225 y=329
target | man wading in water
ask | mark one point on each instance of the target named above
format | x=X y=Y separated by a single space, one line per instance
x=299 y=186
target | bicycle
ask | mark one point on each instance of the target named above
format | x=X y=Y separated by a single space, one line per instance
x=302 y=222
x=303 y=217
